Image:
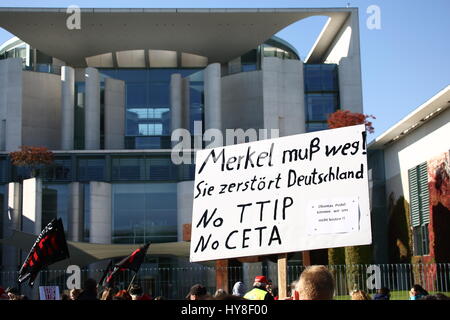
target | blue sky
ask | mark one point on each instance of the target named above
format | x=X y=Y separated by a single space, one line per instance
x=403 y=64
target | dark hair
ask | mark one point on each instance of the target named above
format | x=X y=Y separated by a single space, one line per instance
x=136 y=290
x=90 y=285
x=197 y=290
x=437 y=296
x=384 y=291
x=418 y=288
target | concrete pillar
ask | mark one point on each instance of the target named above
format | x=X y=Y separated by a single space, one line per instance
x=283 y=96
x=176 y=101
x=114 y=114
x=76 y=216
x=213 y=88
x=67 y=107
x=92 y=110
x=350 y=85
x=101 y=215
x=11 y=100
x=11 y=221
x=185 y=196
x=186 y=120
x=32 y=206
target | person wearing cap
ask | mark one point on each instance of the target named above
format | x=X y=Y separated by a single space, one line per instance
x=259 y=291
x=13 y=293
x=197 y=292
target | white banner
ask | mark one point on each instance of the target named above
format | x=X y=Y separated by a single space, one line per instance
x=296 y=193
x=49 y=293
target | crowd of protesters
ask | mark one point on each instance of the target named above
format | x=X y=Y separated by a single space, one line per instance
x=314 y=283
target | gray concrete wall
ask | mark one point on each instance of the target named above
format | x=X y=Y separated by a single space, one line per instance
x=212 y=89
x=76 y=212
x=185 y=195
x=92 y=110
x=186 y=114
x=101 y=215
x=345 y=51
x=176 y=101
x=114 y=114
x=283 y=95
x=67 y=107
x=11 y=221
x=10 y=104
x=41 y=110
x=242 y=101
x=32 y=206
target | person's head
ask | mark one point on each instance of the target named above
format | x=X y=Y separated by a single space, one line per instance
x=437 y=296
x=359 y=295
x=74 y=293
x=239 y=289
x=418 y=290
x=315 y=283
x=13 y=293
x=122 y=295
x=197 y=292
x=383 y=294
x=220 y=292
x=65 y=297
x=260 y=282
x=90 y=285
x=136 y=292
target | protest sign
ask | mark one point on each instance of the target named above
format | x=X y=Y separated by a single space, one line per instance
x=295 y=193
x=49 y=293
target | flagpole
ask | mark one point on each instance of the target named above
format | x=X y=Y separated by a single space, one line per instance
x=132 y=280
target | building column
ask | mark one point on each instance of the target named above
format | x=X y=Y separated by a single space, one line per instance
x=100 y=227
x=11 y=100
x=350 y=86
x=186 y=114
x=67 y=107
x=32 y=206
x=114 y=114
x=11 y=221
x=213 y=93
x=176 y=101
x=185 y=196
x=92 y=110
x=76 y=217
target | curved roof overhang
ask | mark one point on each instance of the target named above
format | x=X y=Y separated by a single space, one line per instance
x=83 y=253
x=218 y=34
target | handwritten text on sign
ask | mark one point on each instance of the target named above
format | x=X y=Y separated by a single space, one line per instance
x=295 y=193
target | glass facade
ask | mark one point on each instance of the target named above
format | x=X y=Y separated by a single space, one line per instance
x=55 y=203
x=144 y=212
x=321 y=94
x=147 y=103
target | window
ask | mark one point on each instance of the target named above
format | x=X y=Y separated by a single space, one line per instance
x=60 y=170
x=321 y=94
x=320 y=106
x=419 y=207
x=55 y=203
x=91 y=169
x=144 y=212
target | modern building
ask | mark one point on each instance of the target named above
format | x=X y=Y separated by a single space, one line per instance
x=410 y=168
x=106 y=97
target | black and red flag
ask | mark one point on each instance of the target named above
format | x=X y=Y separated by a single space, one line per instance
x=106 y=273
x=49 y=247
x=132 y=262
